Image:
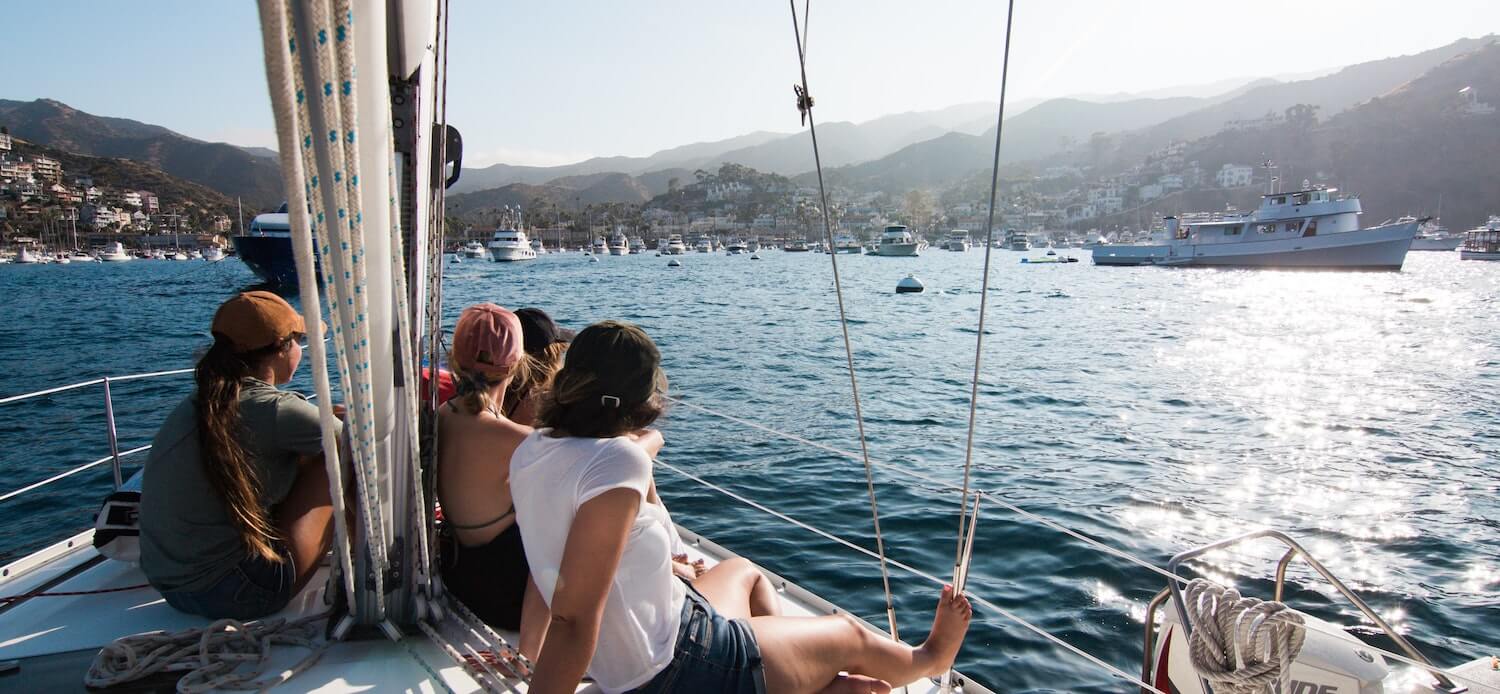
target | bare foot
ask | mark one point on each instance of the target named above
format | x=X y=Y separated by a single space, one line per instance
x=857 y=684
x=948 y=629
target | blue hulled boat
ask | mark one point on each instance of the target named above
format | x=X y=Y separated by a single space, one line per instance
x=266 y=248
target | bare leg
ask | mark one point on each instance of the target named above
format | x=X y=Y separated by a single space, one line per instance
x=305 y=519
x=738 y=590
x=534 y=620
x=807 y=655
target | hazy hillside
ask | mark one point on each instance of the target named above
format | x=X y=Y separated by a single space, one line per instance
x=132 y=175
x=1402 y=152
x=1136 y=127
x=686 y=157
x=222 y=167
x=1331 y=93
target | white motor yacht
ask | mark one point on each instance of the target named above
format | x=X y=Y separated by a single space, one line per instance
x=1433 y=236
x=1482 y=243
x=735 y=247
x=26 y=257
x=78 y=256
x=847 y=243
x=600 y=246
x=213 y=254
x=958 y=240
x=675 y=245
x=1306 y=228
x=619 y=245
x=177 y=254
x=637 y=245
x=704 y=244
x=510 y=245
x=753 y=244
x=114 y=252
x=795 y=246
x=472 y=250
x=538 y=246
x=897 y=241
x=1017 y=240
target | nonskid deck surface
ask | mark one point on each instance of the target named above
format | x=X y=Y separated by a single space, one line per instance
x=54 y=638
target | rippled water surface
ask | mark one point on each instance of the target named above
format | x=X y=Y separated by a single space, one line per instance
x=1153 y=409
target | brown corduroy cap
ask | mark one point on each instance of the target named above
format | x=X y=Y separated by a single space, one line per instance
x=252 y=320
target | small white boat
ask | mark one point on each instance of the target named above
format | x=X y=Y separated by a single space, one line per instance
x=114 y=252
x=637 y=245
x=736 y=247
x=1482 y=243
x=795 y=246
x=473 y=249
x=213 y=254
x=510 y=245
x=897 y=242
x=26 y=257
x=846 y=243
x=1306 y=228
x=1433 y=236
x=675 y=245
x=619 y=245
x=958 y=240
x=178 y=255
x=752 y=245
x=704 y=245
x=538 y=246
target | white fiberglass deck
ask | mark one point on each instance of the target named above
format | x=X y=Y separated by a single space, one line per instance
x=54 y=638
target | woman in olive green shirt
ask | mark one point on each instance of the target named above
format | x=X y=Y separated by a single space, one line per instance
x=235 y=506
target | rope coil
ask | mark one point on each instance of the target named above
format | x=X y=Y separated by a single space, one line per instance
x=1236 y=645
x=212 y=655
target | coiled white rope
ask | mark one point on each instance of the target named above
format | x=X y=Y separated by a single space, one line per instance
x=212 y=655
x=1236 y=645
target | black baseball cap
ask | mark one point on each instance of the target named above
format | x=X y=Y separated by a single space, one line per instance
x=539 y=331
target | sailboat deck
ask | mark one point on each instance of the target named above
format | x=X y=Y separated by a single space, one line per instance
x=53 y=639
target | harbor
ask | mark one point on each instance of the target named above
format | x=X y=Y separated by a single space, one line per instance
x=1355 y=405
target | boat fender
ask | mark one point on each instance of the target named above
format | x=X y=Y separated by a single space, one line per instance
x=909 y=285
x=674 y=263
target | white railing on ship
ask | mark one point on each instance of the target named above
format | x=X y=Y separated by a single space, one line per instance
x=109 y=420
x=992 y=496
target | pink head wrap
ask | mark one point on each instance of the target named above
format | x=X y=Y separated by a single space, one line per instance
x=487 y=340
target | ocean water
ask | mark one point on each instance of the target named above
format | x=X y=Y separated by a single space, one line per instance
x=1152 y=409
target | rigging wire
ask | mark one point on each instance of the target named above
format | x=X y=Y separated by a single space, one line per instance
x=984 y=294
x=805 y=106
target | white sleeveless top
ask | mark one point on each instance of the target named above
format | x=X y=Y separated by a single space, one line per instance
x=549 y=479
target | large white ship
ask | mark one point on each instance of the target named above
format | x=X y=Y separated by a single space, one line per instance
x=509 y=245
x=1306 y=228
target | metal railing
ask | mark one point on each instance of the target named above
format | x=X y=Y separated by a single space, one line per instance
x=115 y=454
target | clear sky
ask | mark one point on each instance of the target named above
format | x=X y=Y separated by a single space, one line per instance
x=553 y=82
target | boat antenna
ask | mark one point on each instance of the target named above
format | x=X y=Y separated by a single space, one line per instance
x=804 y=106
x=966 y=537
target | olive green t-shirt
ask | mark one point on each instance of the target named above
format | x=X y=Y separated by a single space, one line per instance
x=187 y=540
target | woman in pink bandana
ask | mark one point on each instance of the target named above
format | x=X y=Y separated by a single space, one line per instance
x=483 y=561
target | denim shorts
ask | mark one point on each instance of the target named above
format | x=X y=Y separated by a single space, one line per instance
x=713 y=654
x=256 y=587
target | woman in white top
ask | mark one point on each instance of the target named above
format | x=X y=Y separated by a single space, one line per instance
x=600 y=551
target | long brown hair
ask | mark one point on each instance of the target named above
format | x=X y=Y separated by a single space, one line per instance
x=542 y=366
x=474 y=386
x=226 y=464
x=610 y=384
